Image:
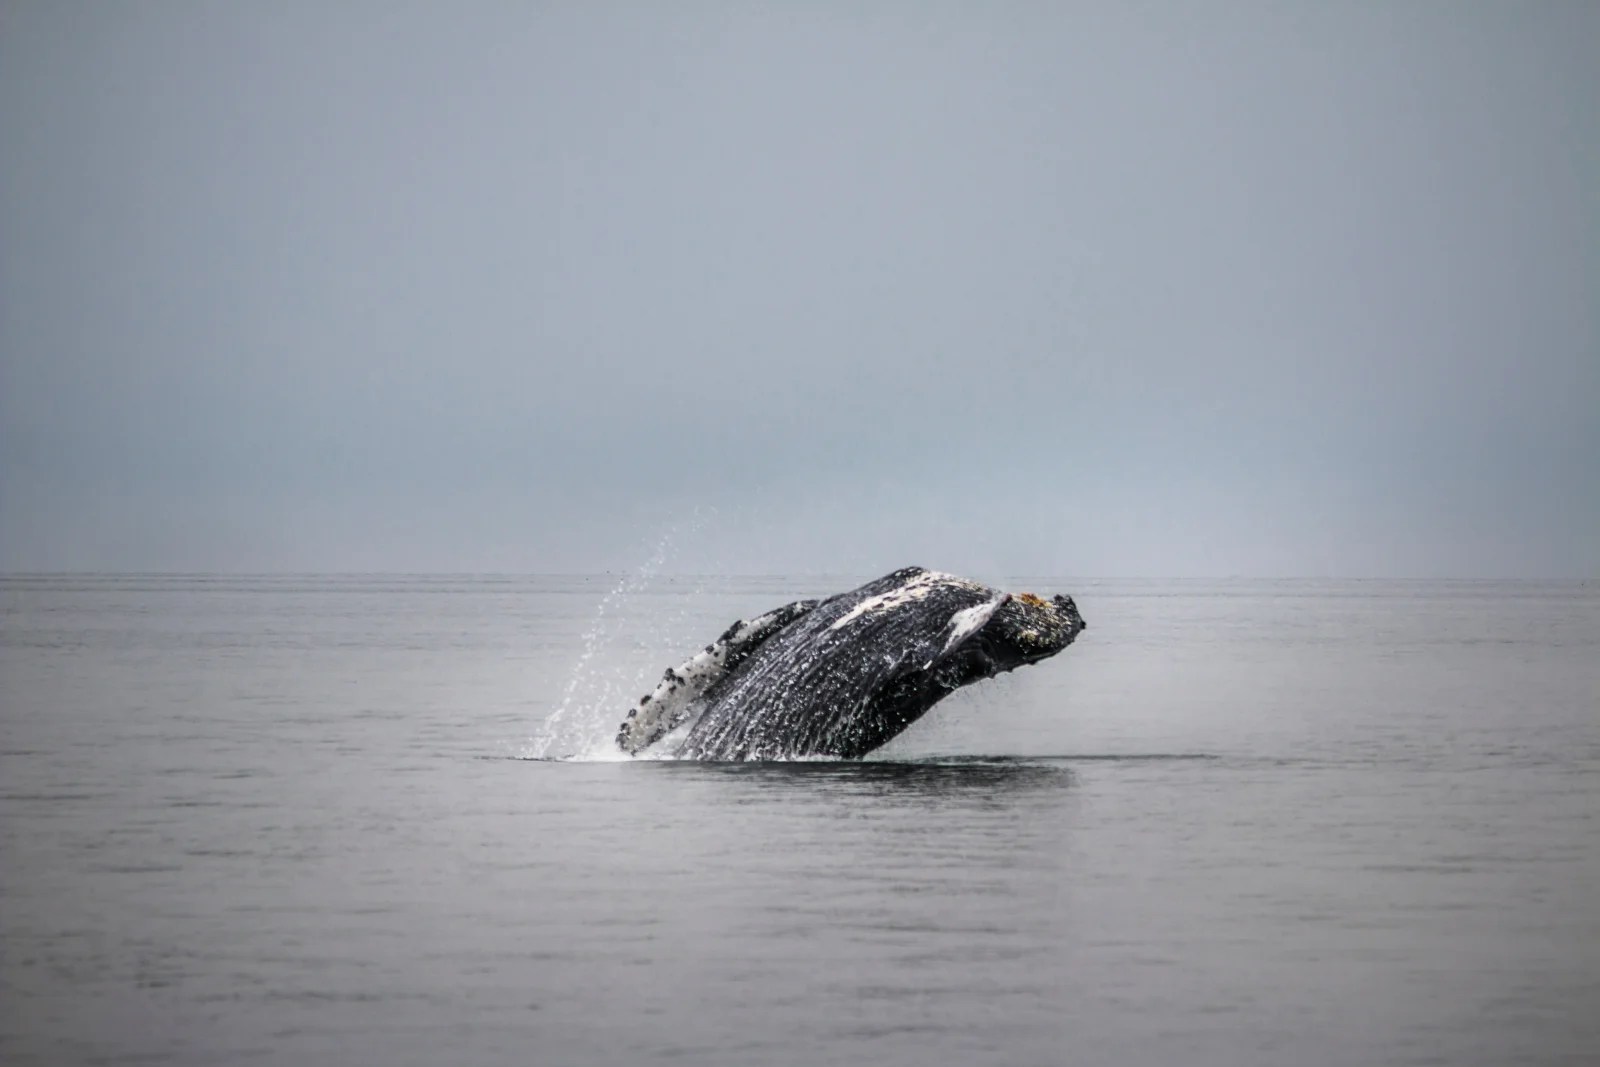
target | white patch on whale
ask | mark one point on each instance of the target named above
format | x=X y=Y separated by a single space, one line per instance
x=968 y=621
x=913 y=590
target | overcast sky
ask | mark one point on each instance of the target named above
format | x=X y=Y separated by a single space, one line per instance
x=1080 y=289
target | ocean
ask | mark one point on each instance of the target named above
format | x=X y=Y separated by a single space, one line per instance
x=379 y=820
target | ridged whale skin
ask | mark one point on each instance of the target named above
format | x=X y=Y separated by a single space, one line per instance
x=841 y=676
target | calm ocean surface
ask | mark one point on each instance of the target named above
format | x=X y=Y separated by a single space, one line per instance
x=293 y=820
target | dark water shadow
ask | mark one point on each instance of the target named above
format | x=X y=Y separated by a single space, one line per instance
x=989 y=776
x=949 y=782
x=818 y=766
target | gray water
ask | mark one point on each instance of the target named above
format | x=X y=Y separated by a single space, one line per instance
x=286 y=820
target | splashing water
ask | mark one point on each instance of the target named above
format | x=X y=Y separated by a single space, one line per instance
x=583 y=725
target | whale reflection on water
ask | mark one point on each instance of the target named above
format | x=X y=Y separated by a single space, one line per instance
x=989 y=775
x=992 y=777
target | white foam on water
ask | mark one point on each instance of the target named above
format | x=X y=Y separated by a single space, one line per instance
x=584 y=725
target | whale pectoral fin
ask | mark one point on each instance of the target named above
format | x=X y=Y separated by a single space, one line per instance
x=672 y=702
x=662 y=710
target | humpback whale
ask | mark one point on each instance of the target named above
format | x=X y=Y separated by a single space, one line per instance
x=841 y=676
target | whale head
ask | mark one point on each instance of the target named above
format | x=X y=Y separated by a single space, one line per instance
x=1027 y=628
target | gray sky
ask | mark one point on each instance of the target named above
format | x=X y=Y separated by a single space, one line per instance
x=1163 y=289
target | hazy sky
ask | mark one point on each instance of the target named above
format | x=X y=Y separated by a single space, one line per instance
x=1115 y=288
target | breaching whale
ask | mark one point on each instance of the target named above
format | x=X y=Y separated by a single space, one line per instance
x=841 y=676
